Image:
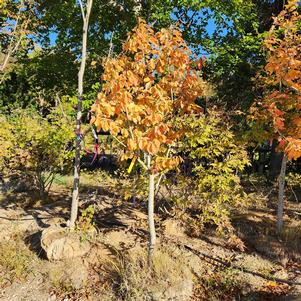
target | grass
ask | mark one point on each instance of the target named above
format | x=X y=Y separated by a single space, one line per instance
x=135 y=280
x=68 y=276
x=291 y=235
x=15 y=260
x=88 y=179
x=59 y=282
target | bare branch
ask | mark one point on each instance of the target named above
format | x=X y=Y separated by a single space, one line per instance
x=82 y=9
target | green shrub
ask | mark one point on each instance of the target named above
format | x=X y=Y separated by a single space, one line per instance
x=34 y=147
x=214 y=160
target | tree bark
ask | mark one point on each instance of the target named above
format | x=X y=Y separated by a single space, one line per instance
x=281 y=182
x=151 y=221
x=275 y=162
x=75 y=195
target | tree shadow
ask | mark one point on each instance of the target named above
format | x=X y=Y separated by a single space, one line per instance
x=33 y=241
x=257 y=229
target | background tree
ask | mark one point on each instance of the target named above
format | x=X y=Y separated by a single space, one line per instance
x=207 y=26
x=279 y=110
x=17 y=21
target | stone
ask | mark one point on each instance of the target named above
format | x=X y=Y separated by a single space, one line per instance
x=61 y=243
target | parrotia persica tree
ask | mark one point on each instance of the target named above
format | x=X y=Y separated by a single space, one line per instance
x=144 y=89
x=280 y=108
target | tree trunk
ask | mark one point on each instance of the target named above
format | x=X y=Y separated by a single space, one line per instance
x=75 y=195
x=275 y=162
x=151 y=221
x=281 y=181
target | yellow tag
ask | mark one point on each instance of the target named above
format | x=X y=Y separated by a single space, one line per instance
x=132 y=165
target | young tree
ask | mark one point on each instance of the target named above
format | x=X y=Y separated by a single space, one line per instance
x=86 y=11
x=280 y=109
x=149 y=84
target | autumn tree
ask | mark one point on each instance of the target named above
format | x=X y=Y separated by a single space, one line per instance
x=279 y=110
x=144 y=88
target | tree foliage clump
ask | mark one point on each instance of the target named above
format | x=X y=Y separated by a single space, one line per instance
x=34 y=147
x=212 y=178
x=277 y=114
x=144 y=88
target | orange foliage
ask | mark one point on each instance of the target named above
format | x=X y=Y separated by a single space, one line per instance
x=282 y=106
x=144 y=88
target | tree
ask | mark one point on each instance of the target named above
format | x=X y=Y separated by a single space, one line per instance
x=85 y=10
x=17 y=21
x=280 y=108
x=144 y=88
x=59 y=37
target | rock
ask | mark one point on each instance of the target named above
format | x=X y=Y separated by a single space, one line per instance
x=61 y=243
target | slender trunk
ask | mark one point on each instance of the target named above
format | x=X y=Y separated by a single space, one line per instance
x=75 y=195
x=275 y=162
x=261 y=161
x=281 y=181
x=151 y=221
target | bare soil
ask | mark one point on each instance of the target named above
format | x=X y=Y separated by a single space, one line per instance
x=269 y=268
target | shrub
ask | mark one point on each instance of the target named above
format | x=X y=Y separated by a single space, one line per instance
x=33 y=147
x=212 y=163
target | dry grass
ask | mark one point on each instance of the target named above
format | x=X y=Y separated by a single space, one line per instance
x=218 y=285
x=137 y=281
x=15 y=260
x=68 y=276
x=291 y=235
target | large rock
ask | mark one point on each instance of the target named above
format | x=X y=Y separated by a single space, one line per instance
x=61 y=243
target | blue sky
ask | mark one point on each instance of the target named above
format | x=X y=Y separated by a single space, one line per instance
x=210 y=28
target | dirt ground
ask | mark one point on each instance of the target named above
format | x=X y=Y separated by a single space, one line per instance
x=268 y=268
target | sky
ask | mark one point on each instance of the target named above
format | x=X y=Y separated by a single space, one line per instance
x=210 y=28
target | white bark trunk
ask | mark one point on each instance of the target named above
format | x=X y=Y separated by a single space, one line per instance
x=75 y=195
x=151 y=221
x=281 y=182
